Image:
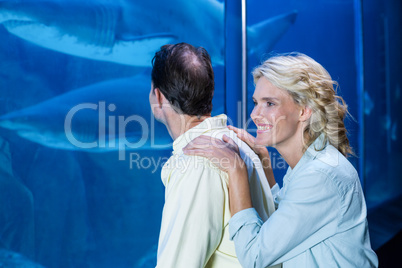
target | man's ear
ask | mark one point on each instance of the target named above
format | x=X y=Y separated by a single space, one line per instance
x=305 y=113
x=160 y=98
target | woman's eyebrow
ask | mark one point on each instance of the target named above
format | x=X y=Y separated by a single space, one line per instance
x=269 y=99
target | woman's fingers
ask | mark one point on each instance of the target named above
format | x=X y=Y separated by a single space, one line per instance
x=204 y=141
x=195 y=151
x=244 y=136
x=250 y=140
x=230 y=142
x=227 y=139
x=224 y=154
x=200 y=142
x=202 y=146
x=235 y=129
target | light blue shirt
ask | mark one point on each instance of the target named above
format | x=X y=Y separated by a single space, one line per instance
x=320 y=220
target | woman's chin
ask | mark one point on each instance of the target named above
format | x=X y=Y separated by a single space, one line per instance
x=262 y=142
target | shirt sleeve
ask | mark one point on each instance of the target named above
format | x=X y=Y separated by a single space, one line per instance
x=192 y=220
x=275 y=195
x=307 y=214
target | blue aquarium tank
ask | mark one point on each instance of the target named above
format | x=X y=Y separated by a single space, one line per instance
x=81 y=153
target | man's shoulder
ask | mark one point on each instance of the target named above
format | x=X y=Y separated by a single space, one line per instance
x=184 y=167
x=250 y=158
x=246 y=152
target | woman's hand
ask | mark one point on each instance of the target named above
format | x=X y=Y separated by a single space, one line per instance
x=242 y=134
x=260 y=150
x=225 y=155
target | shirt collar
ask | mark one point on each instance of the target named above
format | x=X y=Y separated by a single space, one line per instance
x=317 y=146
x=207 y=125
x=315 y=150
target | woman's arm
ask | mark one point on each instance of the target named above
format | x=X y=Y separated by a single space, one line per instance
x=225 y=154
x=239 y=191
x=306 y=216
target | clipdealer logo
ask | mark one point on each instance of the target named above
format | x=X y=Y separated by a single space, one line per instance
x=104 y=136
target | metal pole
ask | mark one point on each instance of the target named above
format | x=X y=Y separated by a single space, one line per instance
x=244 y=63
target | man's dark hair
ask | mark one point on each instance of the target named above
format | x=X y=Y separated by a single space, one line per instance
x=184 y=75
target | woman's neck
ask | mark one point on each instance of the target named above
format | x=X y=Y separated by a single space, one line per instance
x=292 y=157
x=293 y=149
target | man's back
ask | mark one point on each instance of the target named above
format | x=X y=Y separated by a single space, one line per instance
x=195 y=230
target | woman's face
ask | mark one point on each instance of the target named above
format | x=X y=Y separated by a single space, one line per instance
x=276 y=116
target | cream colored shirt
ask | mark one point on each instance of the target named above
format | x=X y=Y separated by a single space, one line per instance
x=195 y=230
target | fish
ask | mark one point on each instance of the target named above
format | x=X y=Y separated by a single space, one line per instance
x=112 y=115
x=80 y=29
x=130 y=32
x=271 y=29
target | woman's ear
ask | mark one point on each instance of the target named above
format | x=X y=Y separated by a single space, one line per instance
x=305 y=113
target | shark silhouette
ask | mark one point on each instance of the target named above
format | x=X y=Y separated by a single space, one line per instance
x=107 y=116
x=115 y=114
x=14 y=259
x=129 y=32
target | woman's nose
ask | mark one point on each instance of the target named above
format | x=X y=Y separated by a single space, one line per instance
x=256 y=112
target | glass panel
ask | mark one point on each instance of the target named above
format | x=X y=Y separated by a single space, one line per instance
x=358 y=42
x=323 y=31
x=81 y=155
x=382 y=116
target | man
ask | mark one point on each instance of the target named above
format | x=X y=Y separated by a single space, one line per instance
x=194 y=231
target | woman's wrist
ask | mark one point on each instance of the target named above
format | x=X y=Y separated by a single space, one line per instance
x=237 y=173
x=262 y=153
x=267 y=166
x=239 y=190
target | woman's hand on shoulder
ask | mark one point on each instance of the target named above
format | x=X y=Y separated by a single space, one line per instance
x=260 y=150
x=223 y=153
x=250 y=140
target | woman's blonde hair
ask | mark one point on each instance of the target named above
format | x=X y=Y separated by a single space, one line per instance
x=310 y=85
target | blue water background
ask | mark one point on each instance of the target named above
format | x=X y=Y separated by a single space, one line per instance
x=80 y=208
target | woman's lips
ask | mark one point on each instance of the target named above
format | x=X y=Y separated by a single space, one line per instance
x=263 y=127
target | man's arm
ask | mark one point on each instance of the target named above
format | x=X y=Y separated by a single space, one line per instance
x=192 y=220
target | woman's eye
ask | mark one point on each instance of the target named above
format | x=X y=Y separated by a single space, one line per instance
x=255 y=104
x=270 y=103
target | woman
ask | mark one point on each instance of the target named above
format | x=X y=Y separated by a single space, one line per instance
x=320 y=219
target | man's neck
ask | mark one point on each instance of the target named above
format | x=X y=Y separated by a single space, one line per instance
x=178 y=125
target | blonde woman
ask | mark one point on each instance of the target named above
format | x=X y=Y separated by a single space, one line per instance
x=320 y=219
